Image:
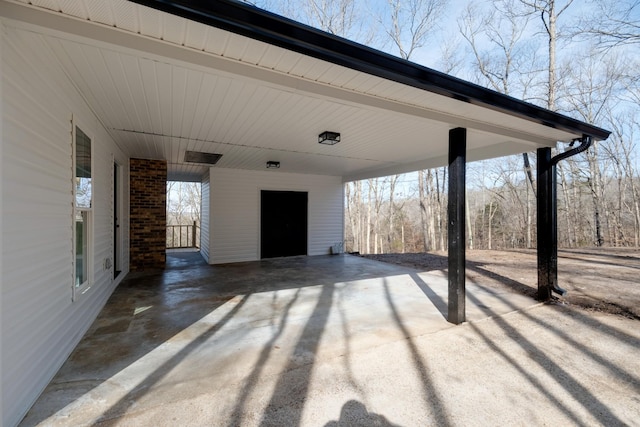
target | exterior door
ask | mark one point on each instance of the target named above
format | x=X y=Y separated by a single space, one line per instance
x=283 y=221
x=116 y=220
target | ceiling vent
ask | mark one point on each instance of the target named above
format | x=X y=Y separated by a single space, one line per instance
x=200 y=157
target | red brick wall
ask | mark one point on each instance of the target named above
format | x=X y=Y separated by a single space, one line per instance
x=148 y=198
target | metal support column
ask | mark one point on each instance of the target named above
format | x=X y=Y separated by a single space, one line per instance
x=545 y=220
x=456 y=225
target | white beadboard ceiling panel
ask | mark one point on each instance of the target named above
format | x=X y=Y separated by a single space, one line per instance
x=174 y=29
x=272 y=57
x=125 y=16
x=196 y=35
x=163 y=85
x=47 y=4
x=100 y=11
x=150 y=21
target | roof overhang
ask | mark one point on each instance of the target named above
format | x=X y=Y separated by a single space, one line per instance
x=225 y=77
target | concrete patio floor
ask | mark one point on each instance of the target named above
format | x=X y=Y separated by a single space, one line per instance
x=338 y=341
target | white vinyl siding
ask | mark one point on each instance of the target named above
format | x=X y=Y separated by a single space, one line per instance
x=235 y=211
x=40 y=323
x=204 y=219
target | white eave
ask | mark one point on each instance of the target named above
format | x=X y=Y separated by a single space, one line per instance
x=162 y=85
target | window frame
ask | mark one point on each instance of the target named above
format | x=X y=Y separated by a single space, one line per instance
x=79 y=289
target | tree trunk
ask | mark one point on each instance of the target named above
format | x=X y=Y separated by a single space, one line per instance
x=566 y=195
x=440 y=209
x=553 y=37
x=469 y=230
x=528 y=224
x=368 y=249
x=423 y=210
x=595 y=186
x=392 y=189
x=490 y=226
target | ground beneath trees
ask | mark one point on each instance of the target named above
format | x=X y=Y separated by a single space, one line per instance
x=598 y=279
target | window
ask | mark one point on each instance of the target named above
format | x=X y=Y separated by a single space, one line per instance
x=83 y=198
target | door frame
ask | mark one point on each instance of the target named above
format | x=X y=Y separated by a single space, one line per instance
x=117 y=219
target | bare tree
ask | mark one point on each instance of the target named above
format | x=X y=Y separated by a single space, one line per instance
x=504 y=56
x=590 y=89
x=183 y=202
x=334 y=16
x=408 y=23
x=549 y=12
x=612 y=24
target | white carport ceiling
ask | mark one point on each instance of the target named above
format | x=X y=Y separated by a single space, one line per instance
x=162 y=85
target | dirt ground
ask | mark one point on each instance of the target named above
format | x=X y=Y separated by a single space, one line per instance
x=599 y=279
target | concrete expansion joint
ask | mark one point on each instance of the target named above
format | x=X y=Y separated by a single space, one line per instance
x=509 y=313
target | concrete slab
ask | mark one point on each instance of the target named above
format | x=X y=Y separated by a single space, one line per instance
x=336 y=340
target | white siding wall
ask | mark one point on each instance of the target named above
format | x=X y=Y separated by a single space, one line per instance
x=235 y=211
x=40 y=323
x=204 y=219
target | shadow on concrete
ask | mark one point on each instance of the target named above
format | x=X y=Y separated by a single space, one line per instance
x=150 y=307
x=289 y=395
x=580 y=393
x=252 y=378
x=425 y=262
x=604 y=328
x=154 y=306
x=430 y=394
x=355 y=414
x=614 y=370
x=435 y=299
x=563 y=377
x=348 y=365
x=121 y=406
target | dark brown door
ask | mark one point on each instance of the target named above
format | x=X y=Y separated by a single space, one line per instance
x=283 y=223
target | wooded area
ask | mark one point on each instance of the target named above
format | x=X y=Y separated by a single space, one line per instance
x=579 y=58
x=184 y=200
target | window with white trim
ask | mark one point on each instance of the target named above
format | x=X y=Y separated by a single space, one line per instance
x=83 y=214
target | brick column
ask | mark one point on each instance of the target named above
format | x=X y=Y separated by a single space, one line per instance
x=148 y=220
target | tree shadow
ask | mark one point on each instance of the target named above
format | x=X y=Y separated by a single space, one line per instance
x=150 y=307
x=567 y=253
x=604 y=328
x=355 y=414
x=532 y=378
x=617 y=371
x=145 y=310
x=252 y=379
x=347 y=346
x=430 y=393
x=289 y=395
x=580 y=393
x=125 y=402
x=425 y=262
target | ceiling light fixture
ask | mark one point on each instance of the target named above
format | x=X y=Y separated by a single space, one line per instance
x=273 y=165
x=329 y=138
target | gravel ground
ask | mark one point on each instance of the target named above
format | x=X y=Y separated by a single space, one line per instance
x=598 y=279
